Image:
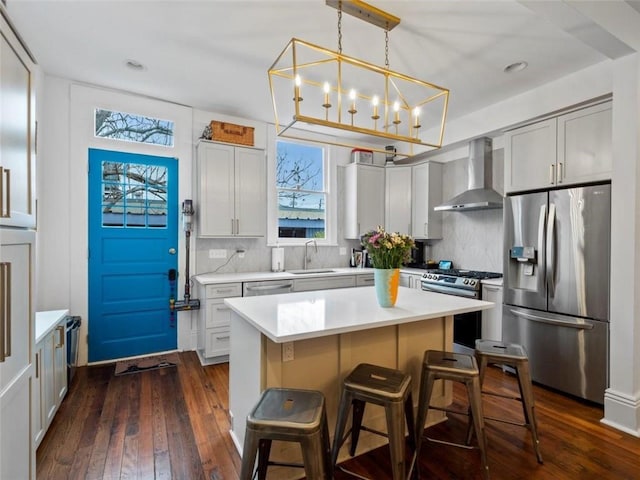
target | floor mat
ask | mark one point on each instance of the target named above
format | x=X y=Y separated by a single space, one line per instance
x=146 y=363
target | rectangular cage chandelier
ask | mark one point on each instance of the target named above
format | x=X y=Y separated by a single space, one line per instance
x=319 y=91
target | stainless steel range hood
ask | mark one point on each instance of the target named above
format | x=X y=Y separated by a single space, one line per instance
x=480 y=195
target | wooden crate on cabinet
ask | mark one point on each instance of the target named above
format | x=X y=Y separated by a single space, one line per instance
x=364 y=199
x=231 y=191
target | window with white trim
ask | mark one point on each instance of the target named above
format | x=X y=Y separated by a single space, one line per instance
x=301 y=177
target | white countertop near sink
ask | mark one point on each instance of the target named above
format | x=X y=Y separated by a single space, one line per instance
x=213 y=278
x=289 y=317
x=46 y=321
x=493 y=281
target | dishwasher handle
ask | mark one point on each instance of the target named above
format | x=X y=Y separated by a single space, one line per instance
x=262 y=289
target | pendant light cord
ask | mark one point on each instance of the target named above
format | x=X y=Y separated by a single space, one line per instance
x=340 y=27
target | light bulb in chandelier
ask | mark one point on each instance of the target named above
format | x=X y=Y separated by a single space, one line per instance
x=396 y=116
x=416 y=118
x=375 y=101
x=327 y=90
x=352 y=96
x=297 y=89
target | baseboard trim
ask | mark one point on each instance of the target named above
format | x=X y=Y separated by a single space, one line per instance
x=622 y=412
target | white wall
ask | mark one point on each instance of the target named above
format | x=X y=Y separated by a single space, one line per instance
x=67 y=133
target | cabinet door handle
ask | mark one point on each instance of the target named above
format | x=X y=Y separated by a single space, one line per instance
x=426 y=226
x=222 y=338
x=560 y=172
x=37 y=365
x=233 y=226
x=5 y=310
x=220 y=309
x=5 y=208
x=551 y=172
x=60 y=329
x=237 y=226
x=491 y=289
x=224 y=290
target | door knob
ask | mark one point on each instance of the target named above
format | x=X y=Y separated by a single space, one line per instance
x=172 y=251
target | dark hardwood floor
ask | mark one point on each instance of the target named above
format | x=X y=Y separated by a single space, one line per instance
x=173 y=423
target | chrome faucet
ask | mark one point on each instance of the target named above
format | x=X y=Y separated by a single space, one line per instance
x=306 y=255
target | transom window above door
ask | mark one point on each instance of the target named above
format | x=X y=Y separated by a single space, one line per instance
x=133 y=128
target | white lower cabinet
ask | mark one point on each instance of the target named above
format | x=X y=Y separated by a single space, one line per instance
x=50 y=385
x=17 y=261
x=410 y=280
x=492 y=318
x=215 y=322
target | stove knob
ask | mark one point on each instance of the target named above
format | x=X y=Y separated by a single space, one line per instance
x=472 y=282
x=465 y=281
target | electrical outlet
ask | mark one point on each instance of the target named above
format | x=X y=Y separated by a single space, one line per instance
x=287 y=351
x=217 y=253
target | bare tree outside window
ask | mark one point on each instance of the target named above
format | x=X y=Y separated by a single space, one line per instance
x=300 y=183
x=133 y=128
x=134 y=195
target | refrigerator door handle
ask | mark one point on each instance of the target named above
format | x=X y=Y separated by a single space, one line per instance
x=551 y=250
x=552 y=321
x=541 y=246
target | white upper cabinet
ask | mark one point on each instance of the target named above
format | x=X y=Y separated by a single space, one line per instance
x=570 y=149
x=585 y=145
x=426 y=192
x=231 y=191
x=398 y=199
x=364 y=199
x=17 y=133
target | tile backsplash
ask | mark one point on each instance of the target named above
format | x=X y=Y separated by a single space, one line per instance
x=472 y=240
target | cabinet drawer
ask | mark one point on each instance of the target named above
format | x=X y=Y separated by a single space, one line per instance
x=218 y=314
x=224 y=290
x=217 y=342
x=308 y=284
x=364 y=280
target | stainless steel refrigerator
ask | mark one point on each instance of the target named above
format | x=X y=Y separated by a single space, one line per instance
x=556 y=285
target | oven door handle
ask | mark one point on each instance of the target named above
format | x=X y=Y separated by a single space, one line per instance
x=553 y=321
x=459 y=292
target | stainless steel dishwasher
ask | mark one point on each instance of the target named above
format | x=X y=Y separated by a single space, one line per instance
x=266 y=287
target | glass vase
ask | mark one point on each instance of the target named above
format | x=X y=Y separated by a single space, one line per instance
x=386 y=281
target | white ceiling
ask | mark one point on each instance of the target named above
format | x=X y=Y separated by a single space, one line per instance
x=214 y=55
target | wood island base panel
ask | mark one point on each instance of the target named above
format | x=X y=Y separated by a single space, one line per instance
x=392 y=337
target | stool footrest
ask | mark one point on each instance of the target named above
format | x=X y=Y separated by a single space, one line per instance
x=452 y=444
x=502 y=395
x=449 y=410
x=371 y=430
x=502 y=420
x=284 y=464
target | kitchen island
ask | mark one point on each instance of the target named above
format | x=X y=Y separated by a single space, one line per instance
x=312 y=340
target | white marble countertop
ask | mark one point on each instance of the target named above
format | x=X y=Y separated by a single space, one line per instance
x=46 y=321
x=297 y=316
x=213 y=278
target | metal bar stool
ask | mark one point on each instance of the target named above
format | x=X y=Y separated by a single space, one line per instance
x=458 y=367
x=514 y=356
x=288 y=415
x=382 y=386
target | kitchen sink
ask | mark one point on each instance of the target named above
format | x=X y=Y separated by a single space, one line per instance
x=311 y=270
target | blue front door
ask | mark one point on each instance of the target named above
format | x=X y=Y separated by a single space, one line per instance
x=133 y=240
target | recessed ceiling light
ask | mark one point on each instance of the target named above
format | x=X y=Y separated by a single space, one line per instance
x=515 y=67
x=134 y=65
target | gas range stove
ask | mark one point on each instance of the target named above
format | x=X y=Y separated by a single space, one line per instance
x=456 y=281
